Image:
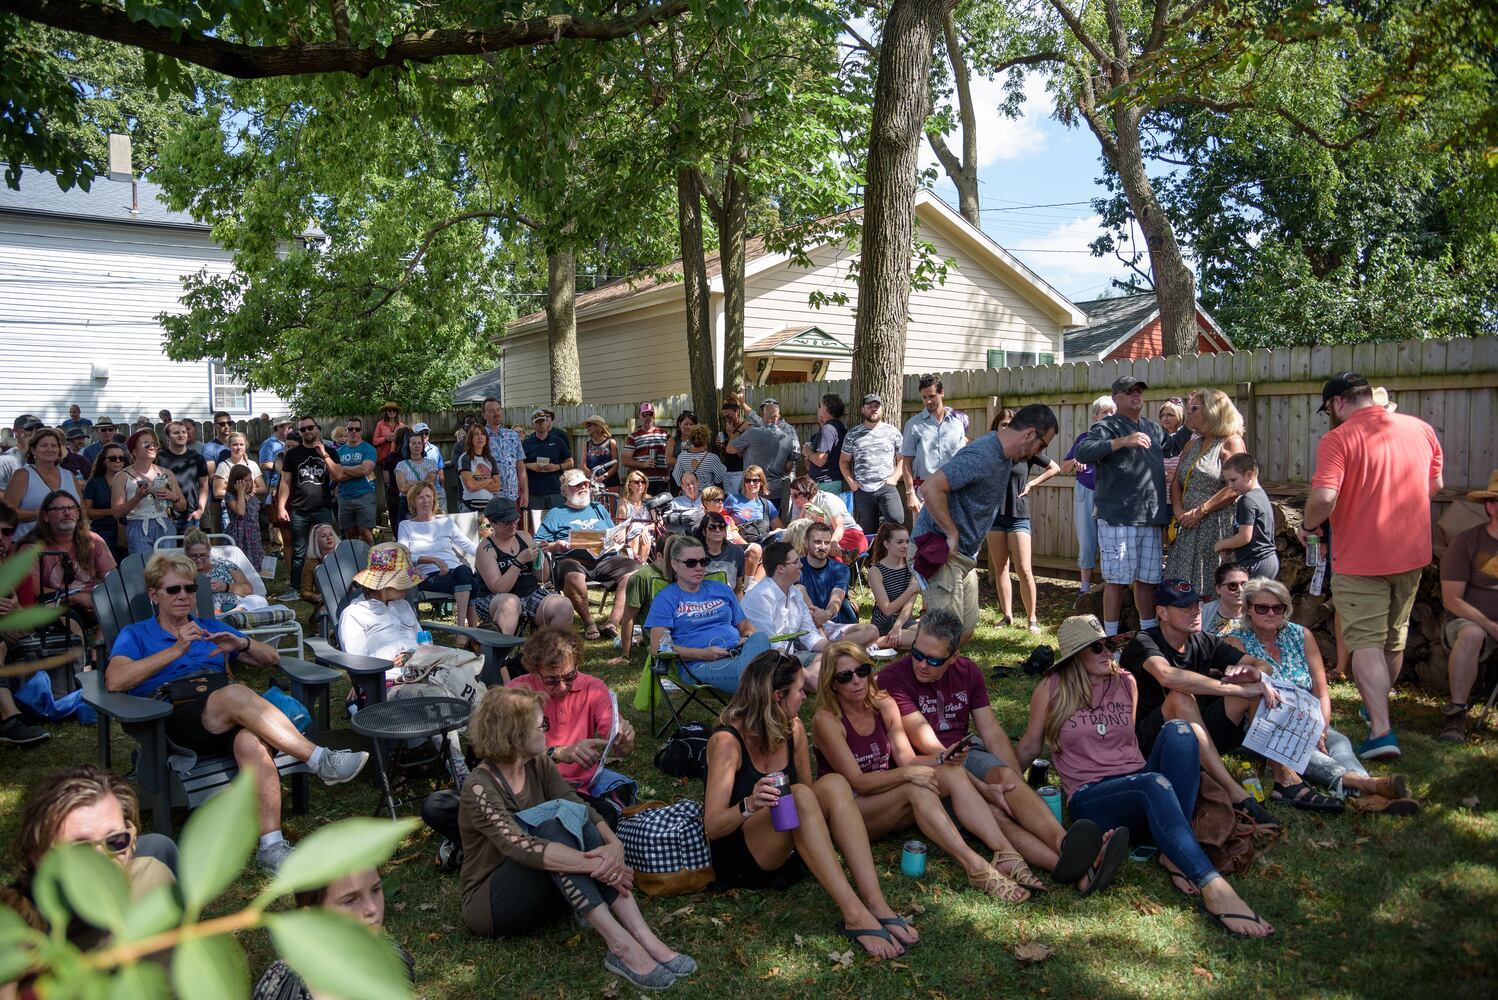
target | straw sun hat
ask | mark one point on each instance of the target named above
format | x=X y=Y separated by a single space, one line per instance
x=1080 y=631
x=389 y=566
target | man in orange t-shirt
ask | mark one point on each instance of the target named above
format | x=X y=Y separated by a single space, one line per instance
x=1376 y=472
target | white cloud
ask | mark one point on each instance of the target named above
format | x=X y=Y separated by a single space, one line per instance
x=999 y=136
x=1061 y=257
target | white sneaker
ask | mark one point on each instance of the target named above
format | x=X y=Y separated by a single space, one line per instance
x=339 y=766
x=270 y=857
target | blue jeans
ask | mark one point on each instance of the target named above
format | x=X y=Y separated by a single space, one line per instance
x=141 y=535
x=1158 y=800
x=1085 y=525
x=301 y=532
x=1328 y=769
x=724 y=674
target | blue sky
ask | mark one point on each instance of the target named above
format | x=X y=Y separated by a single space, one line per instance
x=1031 y=161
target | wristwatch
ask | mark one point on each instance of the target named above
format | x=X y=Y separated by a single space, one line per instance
x=551 y=752
x=744 y=809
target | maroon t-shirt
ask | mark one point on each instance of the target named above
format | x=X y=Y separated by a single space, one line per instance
x=946 y=703
x=871 y=752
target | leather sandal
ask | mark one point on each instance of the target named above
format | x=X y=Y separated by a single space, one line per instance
x=1019 y=871
x=992 y=882
x=1302 y=796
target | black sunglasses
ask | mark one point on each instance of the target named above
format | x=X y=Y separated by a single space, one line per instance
x=545 y=724
x=177 y=588
x=934 y=661
x=1098 y=647
x=223 y=423
x=307 y=430
x=1269 y=609
x=844 y=676
x=693 y=562
x=114 y=458
x=7 y=530
x=566 y=678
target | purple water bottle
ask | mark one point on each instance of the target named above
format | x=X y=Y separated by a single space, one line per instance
x=783 y=815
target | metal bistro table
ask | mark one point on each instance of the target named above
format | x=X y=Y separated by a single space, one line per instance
x=408 y=719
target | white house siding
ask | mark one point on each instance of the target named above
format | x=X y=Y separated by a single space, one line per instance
x=641 y=354
x=74 y=292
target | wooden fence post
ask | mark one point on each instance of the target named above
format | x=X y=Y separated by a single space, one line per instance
x=1244 y=399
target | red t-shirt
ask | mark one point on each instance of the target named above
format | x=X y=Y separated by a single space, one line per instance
x=1382 y=465
x=946 y=703
x=585 y=713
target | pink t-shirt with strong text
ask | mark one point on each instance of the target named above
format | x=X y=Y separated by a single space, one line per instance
x=1381 y=465
x=1098 y=741
x=585 y=713
x=947 y=703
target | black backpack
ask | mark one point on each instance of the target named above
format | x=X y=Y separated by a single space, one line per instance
x=684 y=755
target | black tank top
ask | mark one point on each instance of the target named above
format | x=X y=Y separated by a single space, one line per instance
x=745 y=778
x=525 y=584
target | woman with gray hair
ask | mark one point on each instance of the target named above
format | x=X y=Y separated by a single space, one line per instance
x=1267 y=632
x=1084 y=519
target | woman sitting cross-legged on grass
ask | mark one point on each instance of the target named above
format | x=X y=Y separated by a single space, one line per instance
x=859 y=737
x=1084 y=708
x=533 y=852
x=894 y=584
x=759 y=739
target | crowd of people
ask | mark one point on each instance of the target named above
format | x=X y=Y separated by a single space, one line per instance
x=750 y=577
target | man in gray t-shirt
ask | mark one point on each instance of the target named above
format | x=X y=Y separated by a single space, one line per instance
x=870 y=465
x=772 y=446
x=961 y=499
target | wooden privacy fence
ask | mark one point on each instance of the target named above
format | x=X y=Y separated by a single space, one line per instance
x=1450 y=384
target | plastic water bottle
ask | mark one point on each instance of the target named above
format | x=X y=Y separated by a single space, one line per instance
x=783 y=815
x=1313 y=551
x=666 y=646
x=1249 y=779
x=424 y=637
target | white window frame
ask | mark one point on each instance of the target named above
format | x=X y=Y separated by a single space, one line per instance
x=222 y=393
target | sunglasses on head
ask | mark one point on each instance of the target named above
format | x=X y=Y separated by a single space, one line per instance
x=844 y=676
x=566 y=678
x=1269 y=609
x=693 y=563
x=177 y=588
x=934 y=661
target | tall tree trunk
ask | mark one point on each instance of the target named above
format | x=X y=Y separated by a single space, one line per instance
x=902 y=95
x=1175 y=285
x=694 y=282
x=964 y=171
x=561 y=327
x=732 y=224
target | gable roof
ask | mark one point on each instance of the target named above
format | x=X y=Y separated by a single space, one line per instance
x=802 y=339
x=1113 y=321
x=104 y=201
x=649 y=287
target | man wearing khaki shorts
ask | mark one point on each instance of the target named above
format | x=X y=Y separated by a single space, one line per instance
x=1469 y=592
x=961 y=499
x=1375 y=474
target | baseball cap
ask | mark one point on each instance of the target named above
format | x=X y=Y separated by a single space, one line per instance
x=26 y=422
x=501 y=509
x=542 y=411
x=1127 y=384
x=647 y=407
x=421 y=428
x=872 y=397
x=573 y=477
x=1337 y=385
x=1176 y=593
x=77 y=434
x=771 y=401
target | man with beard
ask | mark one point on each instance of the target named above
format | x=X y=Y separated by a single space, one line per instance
x=573 y=568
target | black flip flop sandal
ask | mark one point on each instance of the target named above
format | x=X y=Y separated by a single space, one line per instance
x=898 y=921
x=1221 y=919
x=1302 y=796
x=1102 y=874
x=1080 y=845
x=1177 y=878
x=854 y=933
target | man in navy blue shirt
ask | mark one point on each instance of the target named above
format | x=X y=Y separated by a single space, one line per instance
x=825 y=581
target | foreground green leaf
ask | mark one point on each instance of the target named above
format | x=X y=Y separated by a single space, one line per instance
x=210 y=969
x=94 y=886
x=14 y=569
x=336 y=954
x=156 y=911
x=216 y=843
x=340 y=849
x=141 y=981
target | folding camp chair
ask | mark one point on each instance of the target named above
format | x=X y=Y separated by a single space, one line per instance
x=662 y=675
x=144 y=721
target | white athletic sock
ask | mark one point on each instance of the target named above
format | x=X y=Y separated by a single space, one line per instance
x=274 y=837
x=315 y=761
x=1110 y=628
x=1145 y=623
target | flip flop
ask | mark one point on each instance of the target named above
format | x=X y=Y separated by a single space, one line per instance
x=1302 y=796
x=1221 y=919
x=1080 y=845
x=1102 y=874
x=854 y=933
x=898 y=921
x=1176 y=880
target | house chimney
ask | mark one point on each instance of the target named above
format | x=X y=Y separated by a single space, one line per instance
x=121 y=167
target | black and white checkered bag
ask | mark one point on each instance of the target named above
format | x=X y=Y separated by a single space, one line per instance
x=664 y=839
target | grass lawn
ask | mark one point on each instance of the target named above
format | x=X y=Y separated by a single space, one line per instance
x=1364 y=906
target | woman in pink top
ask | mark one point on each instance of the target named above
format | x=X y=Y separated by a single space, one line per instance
x=1084 y=709
x=858 y=734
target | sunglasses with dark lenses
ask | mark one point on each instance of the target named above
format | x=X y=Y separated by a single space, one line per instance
x=353 y=427
x=114 y=458
x=223 y=423
x=115 y=843
x=717 y=527
x=844 y=676
x=7 y=530
x=693 y=563
x=306 y=430
x=566 y=678
x=1269 y=609
x=760 y=481
x=177 y=588
x=1235 y=585
x=1098 y=647
x=934 y=661
x=545 y=724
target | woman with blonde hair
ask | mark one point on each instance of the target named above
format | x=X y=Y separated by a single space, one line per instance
x=440 y=551
x=860 y=737
x=759 y=753
x=1084 y=710
x=533 y=851
x=1202 y=502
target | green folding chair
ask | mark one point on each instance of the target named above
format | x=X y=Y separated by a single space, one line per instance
x=662 y=675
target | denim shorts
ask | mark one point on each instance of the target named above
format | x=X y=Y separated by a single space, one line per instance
x=1003 y=522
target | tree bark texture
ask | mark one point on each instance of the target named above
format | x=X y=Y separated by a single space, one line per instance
x=561 y=327
x=902 y=99
x=962 y=171
x=731 y=235
x=694 y=283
